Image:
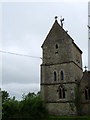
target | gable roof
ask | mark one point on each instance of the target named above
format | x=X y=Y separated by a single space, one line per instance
x=58 y=32
x=86 y=77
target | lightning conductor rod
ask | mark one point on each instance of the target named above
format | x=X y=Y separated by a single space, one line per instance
x=89 y=36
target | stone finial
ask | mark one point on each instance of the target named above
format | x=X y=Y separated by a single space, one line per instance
x=85 y=68
x=56 y=18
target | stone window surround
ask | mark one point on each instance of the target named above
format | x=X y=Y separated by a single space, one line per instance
x=87 y=93
x=61 y=92
x=58 y=77
x=55 y=75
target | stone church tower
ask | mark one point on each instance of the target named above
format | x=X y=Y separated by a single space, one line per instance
x=60 y=69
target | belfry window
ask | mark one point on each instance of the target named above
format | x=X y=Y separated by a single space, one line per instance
x=87 y=93
x=55 y=75
x=62 y=75
x=56 y=51
x=61 y=92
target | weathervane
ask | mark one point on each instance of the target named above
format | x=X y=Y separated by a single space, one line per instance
x=61 y=20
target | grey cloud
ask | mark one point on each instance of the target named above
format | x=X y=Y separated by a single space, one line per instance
x=18 y=90
x=25 y=26
x=20 y=69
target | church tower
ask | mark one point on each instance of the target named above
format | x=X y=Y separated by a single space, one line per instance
x=60 y=69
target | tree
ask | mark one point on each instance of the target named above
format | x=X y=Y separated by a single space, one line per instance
x=30 y=107
x=33 y=107
x=5 y=96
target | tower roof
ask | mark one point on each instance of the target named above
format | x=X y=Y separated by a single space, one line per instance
x=57 y=32
x=85 y=78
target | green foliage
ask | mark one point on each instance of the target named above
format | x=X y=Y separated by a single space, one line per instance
x=5 y=96
x=10 y=107
x=30 y=107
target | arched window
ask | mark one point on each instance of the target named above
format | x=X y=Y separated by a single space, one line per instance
x=55 y=75
x=87 y=93
x=61 y=92
x=62 y=75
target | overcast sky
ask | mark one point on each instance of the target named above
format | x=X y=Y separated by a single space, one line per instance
x=24 y=28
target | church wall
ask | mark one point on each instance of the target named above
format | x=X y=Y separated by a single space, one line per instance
x=60 y=109
x=60 y=53
x=51 y=92
x=53 y=55
x=77 y=56
x=49 y=87
x=71 y=73
x=78 y=73
x=47 y=74
x=86 y=108
x=85 y=85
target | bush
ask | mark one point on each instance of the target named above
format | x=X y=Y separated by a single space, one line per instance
x=30 y=108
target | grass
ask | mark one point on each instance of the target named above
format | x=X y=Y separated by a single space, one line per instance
x=69 y=118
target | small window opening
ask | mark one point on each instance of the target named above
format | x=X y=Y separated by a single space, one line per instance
x=56 y=46
x=56 y=52
x=55 y=75
x=62 y=75
x=61 y=93
x=87 y=94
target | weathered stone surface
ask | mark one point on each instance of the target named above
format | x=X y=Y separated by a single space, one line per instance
x=60 y=109
x=85 y=85
x=60 y=53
